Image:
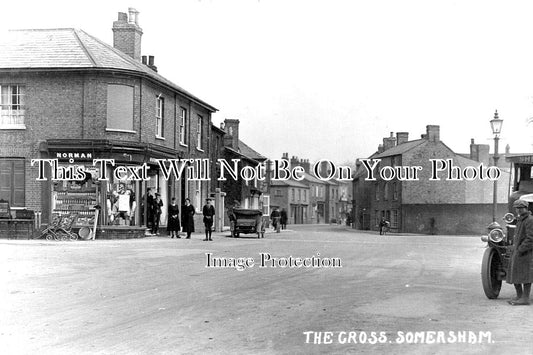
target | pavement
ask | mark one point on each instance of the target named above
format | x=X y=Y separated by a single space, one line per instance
x=394 y=294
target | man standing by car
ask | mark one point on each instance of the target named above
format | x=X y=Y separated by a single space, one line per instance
x=520 y=266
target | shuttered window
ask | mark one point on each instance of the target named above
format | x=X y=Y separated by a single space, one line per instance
x=120 y=107
x=12 y=181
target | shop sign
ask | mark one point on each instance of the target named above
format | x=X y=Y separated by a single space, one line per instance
x=74 y=155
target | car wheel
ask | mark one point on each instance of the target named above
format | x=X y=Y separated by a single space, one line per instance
x=490 y=266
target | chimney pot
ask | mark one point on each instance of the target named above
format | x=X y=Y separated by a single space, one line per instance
x=144 y=59
x=151 y=60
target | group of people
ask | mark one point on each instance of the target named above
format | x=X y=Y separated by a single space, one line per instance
x=154 y=209
x=279 y=217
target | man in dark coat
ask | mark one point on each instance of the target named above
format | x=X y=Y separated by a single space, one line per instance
x=283 y=218
x=156 y=213
x=209 y=214
x=521 y=266
x=187 y=218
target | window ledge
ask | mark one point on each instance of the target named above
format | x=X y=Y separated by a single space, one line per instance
x=183 y=144
x=119 y=130
x=199 y=149
x=13 y=126
x=161 y=138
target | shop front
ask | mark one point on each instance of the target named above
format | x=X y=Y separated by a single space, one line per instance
x=116 y=185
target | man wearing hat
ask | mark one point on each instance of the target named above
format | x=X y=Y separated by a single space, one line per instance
x=209 y=215
x=521 y=266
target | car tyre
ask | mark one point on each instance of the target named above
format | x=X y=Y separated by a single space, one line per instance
x=489 y=268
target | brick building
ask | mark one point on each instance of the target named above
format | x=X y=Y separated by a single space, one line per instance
x=67 y=95
x=424 y=205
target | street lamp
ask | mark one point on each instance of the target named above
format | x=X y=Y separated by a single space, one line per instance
x=496 y=126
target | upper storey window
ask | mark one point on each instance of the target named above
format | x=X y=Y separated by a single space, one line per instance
x=159 y=116
x=120 y=107
x=12 y=106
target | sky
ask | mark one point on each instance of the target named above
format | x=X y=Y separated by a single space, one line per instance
x=329 y=79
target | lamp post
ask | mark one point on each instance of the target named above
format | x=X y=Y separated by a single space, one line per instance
x=496 y=126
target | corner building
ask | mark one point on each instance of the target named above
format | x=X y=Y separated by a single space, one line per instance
x=69 y=96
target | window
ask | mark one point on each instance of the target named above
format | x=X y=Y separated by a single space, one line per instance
x=293 y=194
x=395 y=191
x=377 y=192
x=305 y=195
x=278 y=193
x=198 y=195
x=159 y=116
x=183 y=125
x=119 y=107
x=386 y=191
x=266 y=205
x=394 y=219
x=199 y=132
x=299 y=195
x=12 y=105
x=12 y=178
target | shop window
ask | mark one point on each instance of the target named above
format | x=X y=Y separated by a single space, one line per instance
x=119 y=107
x=12 y=106
x=12 y=179
x=199 y=133
x=159 y=116
x=183 y=125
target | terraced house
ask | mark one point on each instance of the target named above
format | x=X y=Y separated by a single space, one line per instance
x=67 y=95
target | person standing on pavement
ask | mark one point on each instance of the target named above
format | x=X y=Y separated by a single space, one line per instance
x=283 y=218
x=209 y=214
x=156 y=212
x=275 y=217
x=521 y=265
x=173 y=219
x=187 y=218
x=382 y=226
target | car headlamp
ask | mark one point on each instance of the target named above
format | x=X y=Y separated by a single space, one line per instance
x=496 y=235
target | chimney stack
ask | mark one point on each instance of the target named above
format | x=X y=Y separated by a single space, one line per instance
x=433 y=133
x=402 y=137
x=389 y=142
x=231 y=138
x=479 y=152
x=127 y=34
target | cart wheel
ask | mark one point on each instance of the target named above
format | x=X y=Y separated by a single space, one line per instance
x=49 y=236
x=73 y=236
x=490 y=266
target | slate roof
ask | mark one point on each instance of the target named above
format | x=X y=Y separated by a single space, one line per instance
x=69 y=48
x=400 y=149
x=289 y=182
x=249 y=152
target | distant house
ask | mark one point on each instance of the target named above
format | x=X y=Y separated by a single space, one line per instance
x=423 y=205
x=293 y=196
